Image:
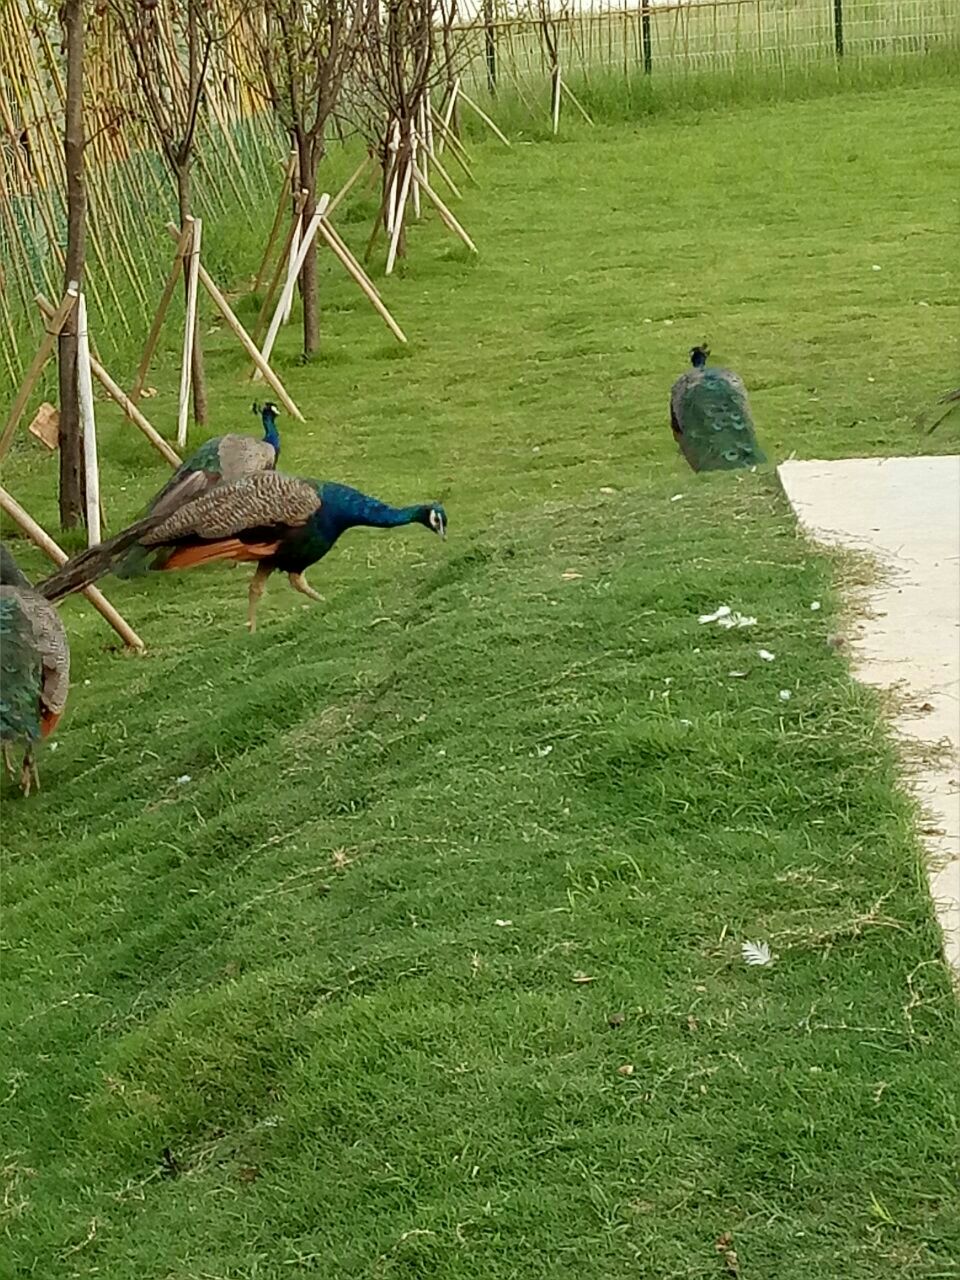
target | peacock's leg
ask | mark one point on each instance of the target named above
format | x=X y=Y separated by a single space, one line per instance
x=8 y=761
x=29 y=775
x=258 y=584
x=299 y=583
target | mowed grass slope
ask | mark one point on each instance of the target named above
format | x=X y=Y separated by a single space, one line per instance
x=409 y=927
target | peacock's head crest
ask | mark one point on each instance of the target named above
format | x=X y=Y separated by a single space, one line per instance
x=435 y=518
x=698 y=355
x=267 y=411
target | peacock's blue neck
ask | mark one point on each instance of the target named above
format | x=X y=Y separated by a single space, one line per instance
x=270 y=433
x=345 y=508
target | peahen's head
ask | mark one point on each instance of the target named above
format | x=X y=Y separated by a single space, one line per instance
x=698 y=356
x=268 y=416
x=434 y=517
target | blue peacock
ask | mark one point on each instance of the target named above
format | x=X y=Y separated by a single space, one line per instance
x=711 y=419
x=281 y=523
x=34 y=669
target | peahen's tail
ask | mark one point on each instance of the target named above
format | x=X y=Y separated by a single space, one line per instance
x=717 y=428
x=124 y=554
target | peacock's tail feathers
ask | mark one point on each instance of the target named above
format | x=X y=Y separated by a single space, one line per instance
x=712 y=422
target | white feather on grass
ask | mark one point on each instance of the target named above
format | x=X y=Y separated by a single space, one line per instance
x=756 y=953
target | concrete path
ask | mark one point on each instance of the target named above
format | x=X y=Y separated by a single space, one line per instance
x=906 y=513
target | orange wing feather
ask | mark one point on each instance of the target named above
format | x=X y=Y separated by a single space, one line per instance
x=226 y=549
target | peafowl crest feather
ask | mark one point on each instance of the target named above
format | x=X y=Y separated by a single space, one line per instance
x=34 y=669
x=711 y=419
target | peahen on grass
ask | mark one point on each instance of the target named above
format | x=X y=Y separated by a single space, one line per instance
x=281 y=523
x=34 y=668
x=710 y=416
x=223 y=459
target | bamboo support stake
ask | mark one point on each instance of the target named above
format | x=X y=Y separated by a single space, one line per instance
x=220 y=302
x=330 y=233
x=286 y=295
x=278 y=219
x=443 y=211
x=88 y=423
x=123 y=400
x=360 y=277
x=153 y=337
x=354 y=178
x=555 y=104
x=279 y=269
x=399 y=215
x=394 y=147
x=441 y=170
x=428 y=124
x=456 y=149
x=418 y=133
x=189 y=330
x=286 y=298
x=55 y=322
x=415 y=193
x=486 y=119
x=46 y=544
x=448 y=114
x=576 y=101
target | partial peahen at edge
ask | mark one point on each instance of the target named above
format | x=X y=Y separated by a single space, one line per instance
x=34 y=669
x=710 y=417
x=281 y=523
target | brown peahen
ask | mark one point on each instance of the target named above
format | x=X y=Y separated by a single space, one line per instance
x=279 y=522
x=223 y=459
x=711 y=420
x=34 y=669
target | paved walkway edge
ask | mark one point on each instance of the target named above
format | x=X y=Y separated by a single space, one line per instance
x=905 y=513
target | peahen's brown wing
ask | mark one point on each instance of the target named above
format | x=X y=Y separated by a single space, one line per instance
x=55 y=652
x=53 y=648
x=243 y=456
x=265 y=500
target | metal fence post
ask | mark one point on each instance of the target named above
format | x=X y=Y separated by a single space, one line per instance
x=645 y=36
x=838 y=27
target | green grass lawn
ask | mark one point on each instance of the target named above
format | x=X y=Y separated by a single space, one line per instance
x=410 y=926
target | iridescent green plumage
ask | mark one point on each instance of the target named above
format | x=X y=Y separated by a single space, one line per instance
x=711 y=419
x=34 y=668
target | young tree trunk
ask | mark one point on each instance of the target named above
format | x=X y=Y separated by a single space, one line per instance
x=72 y=505
x=308 y=272
x=198 y=376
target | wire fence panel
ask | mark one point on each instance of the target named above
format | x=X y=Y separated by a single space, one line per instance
x=587 y=39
